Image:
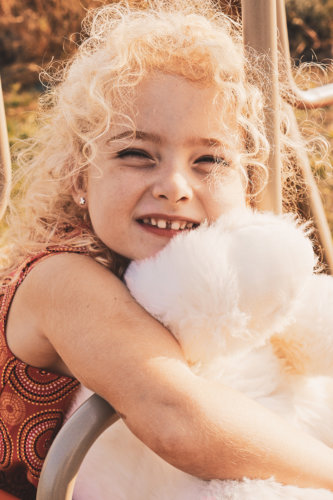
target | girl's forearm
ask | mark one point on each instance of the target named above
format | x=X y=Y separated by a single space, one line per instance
x=219 y=433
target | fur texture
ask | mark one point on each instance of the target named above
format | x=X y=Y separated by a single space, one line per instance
x=242 y=299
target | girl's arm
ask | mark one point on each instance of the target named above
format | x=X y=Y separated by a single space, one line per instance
x=72 y=314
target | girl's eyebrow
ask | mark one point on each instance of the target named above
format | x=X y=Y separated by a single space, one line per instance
x=150 y=136
x=137 y=134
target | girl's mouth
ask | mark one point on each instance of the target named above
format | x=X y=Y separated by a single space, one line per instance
x=166 y=227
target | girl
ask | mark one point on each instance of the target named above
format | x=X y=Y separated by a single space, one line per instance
x=155 y=126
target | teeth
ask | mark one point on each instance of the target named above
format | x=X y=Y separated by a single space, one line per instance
x=175 y=225
x=161 y=224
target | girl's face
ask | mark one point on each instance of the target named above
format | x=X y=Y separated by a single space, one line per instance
x=148 y=188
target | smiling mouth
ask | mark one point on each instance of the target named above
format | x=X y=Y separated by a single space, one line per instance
x=174 y=225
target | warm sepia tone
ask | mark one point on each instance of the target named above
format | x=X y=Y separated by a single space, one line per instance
x=34 y=33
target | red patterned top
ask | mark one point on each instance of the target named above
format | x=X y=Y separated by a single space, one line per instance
x=33 y=403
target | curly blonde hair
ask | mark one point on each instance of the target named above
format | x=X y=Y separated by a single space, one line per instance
x=121 y=45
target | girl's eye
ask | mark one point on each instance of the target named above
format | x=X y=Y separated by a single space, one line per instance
x=135 y=154
x=208 y=162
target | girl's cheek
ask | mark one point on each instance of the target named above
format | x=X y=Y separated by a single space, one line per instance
x=227 y=194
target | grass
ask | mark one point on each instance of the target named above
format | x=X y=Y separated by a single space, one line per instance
x=21 y=110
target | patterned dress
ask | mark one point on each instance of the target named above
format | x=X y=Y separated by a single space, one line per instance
x=33 y=403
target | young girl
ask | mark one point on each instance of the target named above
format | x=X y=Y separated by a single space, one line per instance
x=155 y=126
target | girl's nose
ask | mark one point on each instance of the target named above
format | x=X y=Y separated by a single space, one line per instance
x=174 y=188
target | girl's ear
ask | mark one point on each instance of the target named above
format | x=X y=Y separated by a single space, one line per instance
x=79 y=190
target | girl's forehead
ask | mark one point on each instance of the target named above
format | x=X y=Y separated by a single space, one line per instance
x=158 y=85
x=171 y=101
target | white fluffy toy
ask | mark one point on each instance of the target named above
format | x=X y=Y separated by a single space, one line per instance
x=242 y=299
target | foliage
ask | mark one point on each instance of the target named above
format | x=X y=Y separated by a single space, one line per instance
x=310 y=27
x=36 y=30
x=25 y=22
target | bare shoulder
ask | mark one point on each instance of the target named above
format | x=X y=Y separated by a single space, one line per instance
x=55 y=280
x=62 y=267
x=62 y=277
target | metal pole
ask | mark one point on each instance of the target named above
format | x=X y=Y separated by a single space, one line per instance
x=5 y=163
x=70 y=447
x=260 y=34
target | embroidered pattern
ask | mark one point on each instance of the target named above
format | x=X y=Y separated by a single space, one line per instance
x=39 y=386
x=35 y=436
x=33 y=403
x=6 y=446
x=12 y=409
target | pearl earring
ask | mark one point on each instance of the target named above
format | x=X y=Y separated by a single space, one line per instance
x=82 y=200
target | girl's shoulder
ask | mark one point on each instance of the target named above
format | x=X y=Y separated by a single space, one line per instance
x=10 y=284
x=15 y=309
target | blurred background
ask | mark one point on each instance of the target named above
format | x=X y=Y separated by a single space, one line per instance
x=35 y=32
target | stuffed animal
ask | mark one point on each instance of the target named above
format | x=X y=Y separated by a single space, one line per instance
x=243 y=299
